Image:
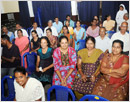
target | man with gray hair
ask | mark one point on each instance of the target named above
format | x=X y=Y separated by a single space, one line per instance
x=123 y=36
x=10 y=34
x=126 y=19
x=54 y=31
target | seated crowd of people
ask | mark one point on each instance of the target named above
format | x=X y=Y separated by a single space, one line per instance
x=101 y=68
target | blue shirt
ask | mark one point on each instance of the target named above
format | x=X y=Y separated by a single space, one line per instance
x=58 y=26
x=11 y=36
x=71 y=23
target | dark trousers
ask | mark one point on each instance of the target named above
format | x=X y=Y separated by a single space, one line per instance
x=7 y=71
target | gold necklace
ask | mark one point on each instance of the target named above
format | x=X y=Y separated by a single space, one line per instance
x=116 y=59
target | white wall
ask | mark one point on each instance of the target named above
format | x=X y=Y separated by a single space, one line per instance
x=9 y=6
x=1 y=7
x=12 y=6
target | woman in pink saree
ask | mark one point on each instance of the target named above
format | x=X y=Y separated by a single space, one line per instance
x=23 y=44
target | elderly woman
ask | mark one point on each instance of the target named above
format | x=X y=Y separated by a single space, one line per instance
x=113 y=85
x=88 y=68
x=64 y=59
x=44 y=64
x=93 y=30
x=26 y=88
x=52 y=38
x=23 y=44
x=35 y=42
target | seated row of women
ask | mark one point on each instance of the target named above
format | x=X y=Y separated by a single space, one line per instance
x=104 y=74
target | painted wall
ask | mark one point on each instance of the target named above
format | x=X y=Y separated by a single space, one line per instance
x=9 y=6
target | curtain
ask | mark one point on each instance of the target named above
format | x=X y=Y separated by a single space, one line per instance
x=88 y=9
x=24 y=14
x=52 y=9
x=112 y=7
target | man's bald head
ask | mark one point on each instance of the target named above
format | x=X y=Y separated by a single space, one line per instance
x=124 y=26
x=124 y=23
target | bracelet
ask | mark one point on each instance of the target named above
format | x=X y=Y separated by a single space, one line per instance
x=79 y=69
x=110 y=70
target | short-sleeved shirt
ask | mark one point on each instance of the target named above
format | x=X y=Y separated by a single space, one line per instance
x=32 y=91
x=39 y=32
x=24 y=33
x=9 y=53
x=102 y=44
x=122 y=37
x=109 y=24
x=58 y=26
x=36 y=44
x=11 y=35
x=54 y=31
x=71 y=23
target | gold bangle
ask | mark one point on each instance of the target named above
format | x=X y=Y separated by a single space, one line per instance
x=80 y=69
x=110 y=70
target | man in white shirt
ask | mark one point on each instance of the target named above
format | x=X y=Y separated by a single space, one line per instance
x=102 y=41
x=126 y=19
x=58 y=25
x=38 y=30
x=123 y=36
x=18 y=26
x=54 y=31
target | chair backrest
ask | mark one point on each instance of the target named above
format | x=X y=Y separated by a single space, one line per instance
x=84 y=26
x=29 y=30
x=110 y=33
x=31 y=58
x=80 y=44
x=61 y=92
x=93 y=98
x=10 y=83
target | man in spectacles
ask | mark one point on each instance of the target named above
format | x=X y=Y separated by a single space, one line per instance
x=123 y=36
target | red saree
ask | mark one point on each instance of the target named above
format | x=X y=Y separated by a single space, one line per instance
x=105 y=86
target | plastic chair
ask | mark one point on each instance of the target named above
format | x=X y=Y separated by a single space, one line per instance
x=93 y=98
x=29 y=30
x=80 y=44
x=31 y=61
x=110 y=33
x=84 y=26
x=42 y=28
x=61 y=92
x=10 y=83
x=74 y=24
